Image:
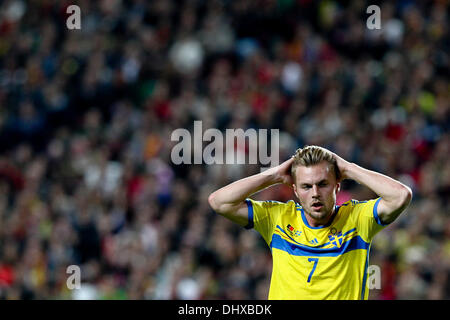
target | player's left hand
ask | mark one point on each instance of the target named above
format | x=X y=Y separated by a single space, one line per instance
x=343 y=166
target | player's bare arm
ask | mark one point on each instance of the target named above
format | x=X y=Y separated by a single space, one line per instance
x=229 y=201
x=395 y=196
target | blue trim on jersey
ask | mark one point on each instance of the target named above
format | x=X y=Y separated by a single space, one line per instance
x=363 y=291
x=250 y=214
x=300 y=244
x=354 y=243
x=321 y=227
x=349 y=231
x=375 y=214
x=281 y=229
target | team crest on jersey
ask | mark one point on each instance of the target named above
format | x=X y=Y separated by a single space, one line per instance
x=336 y=237
x=292 y=231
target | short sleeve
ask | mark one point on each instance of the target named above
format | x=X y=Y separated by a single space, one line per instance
x=365 y=214
x=263 y=216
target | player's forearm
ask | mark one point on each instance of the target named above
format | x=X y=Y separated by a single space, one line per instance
x=236 y=192
x=390 y=190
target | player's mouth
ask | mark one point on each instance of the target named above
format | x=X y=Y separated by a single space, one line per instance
x=317 y=206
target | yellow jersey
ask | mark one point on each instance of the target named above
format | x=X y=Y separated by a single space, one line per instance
x=326 y=262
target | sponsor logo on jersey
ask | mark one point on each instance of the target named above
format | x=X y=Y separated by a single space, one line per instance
x=292 y=231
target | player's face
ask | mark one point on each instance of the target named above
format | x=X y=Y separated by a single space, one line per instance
x=316 y=188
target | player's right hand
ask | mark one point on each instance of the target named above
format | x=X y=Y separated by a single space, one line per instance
x=282 y=172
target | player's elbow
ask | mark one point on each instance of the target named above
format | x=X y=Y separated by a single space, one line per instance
x=213 y=203
x=395 y=206
x=218 y=205
x=406 y=196
x=402 y=199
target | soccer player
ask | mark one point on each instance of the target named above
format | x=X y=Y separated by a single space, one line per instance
x=319 y=250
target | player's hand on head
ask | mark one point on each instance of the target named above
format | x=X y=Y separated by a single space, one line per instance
x=343 y=166
x=284 y=172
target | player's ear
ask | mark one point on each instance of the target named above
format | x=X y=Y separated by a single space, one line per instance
x=338 y=187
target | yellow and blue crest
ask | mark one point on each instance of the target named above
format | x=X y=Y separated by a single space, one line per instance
x=336 y=238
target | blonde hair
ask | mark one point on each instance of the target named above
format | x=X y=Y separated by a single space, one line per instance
x=311 y=155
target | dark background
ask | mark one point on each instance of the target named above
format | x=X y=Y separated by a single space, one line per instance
x=86 y=115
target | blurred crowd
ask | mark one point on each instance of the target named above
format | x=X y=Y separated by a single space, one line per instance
x=86 y=117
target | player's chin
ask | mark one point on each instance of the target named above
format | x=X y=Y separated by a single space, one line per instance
x=318 y=214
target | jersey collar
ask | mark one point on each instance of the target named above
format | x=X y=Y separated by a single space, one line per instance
x=305 y=221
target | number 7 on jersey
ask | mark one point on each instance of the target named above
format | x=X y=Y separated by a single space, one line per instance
x=313 y=268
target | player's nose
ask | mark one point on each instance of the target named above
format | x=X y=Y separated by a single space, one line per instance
x=315 y=191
